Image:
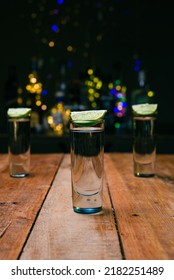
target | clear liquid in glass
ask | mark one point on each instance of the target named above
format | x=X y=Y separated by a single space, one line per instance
x=19 y=146
x=144 y=146
x=87 y=152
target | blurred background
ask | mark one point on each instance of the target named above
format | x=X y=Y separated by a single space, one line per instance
x=64 y=55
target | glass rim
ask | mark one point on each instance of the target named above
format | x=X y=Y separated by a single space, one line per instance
x=145 y=117
x=88 y=123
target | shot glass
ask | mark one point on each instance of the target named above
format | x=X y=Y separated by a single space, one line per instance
x=144 y=146
x=19 y=145
x=87 y=167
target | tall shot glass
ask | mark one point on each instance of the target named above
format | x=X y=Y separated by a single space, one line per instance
x=144 y=146
x=19 y=142
x=87 y=167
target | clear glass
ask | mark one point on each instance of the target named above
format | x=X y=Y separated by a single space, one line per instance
x=144 y=146
x=19 y=146
x=87 y=167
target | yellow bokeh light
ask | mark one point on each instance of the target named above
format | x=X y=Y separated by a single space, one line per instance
x=38 y=97
x=59 y=129
x=67 y=112
x=31 y=75
x=90 y=71
x=28 y=87
x=91 y=90
x=59 y=118
x=96 y=80
x=38 y=103
x=33 y=80
x=99 y=85
x=53 y=110
x=20 y=91
x=90 y=84
x=34 y=87
x=91 y=98
x=19 y=100
x=51 y=44
x=97 y=95
x=69 y=48
x=150 y=93
x=94 y=105
x=60 y=107
x=110 y=85
x=28 y=102
x=124 y=89
x=118 y=88
x=50 y=119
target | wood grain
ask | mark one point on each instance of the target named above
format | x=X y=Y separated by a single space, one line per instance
x=59 y=233
x=144 y=207
x=21 y=200
x=37 y=220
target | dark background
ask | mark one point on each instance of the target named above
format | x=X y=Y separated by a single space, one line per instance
x=125 y=30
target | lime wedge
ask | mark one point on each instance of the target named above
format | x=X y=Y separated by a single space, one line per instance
x=87 y=118
x=145 y=109
x=19 y=112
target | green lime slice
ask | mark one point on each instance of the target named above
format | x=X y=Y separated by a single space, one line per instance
x=145 y=109
x=87 y=118
x=19 y=112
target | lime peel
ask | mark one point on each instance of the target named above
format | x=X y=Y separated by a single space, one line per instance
x=88 y=117
x=19 y=112
x=145 y=109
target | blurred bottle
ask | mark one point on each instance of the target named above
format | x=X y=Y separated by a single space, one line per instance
x=34 y=88
x=142 y=93
x=11 y=87
x=118 y=92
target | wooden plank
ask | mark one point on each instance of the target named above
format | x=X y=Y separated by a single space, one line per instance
x=59 y=233
x=144 y=207
x=21 y=200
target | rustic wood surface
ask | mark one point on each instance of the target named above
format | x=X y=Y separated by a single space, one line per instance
x=144 y=207
x=60 y=233
x=21 y=200
x=37 y=220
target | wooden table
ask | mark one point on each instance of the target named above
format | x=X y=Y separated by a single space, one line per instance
x=37 y=220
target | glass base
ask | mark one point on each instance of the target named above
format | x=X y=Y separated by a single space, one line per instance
x=19 y=175
x=87 y=210
x=144 y=170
